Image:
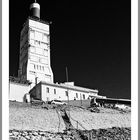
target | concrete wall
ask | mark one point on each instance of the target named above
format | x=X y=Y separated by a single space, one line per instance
x=17 y=91
x=84 y=103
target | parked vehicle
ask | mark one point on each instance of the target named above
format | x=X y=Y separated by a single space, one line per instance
x=58 y=102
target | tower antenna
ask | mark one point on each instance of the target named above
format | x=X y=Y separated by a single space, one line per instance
x=66 y=74
x=35 y=1
x=68 y=91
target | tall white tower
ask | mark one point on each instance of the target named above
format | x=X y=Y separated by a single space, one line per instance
x=34 y=63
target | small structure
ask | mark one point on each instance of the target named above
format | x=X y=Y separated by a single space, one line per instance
x=110 y=101
x=18 y=89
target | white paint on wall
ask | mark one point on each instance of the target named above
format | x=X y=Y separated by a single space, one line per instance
x=17 y=91
x=50 y=91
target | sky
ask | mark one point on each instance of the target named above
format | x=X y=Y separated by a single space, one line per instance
x=91 y=38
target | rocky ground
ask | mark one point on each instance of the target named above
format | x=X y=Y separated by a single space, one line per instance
x=114 y=133
x=44 y=122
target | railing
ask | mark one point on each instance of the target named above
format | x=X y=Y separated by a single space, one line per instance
x=89 y=135
x=78 y=123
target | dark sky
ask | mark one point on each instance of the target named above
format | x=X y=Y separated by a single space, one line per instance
x=91 y=38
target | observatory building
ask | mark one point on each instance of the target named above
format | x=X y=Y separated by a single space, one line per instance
x=34 y=62
x=35 y=66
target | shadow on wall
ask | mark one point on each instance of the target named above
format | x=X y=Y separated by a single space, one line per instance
x=24 y=98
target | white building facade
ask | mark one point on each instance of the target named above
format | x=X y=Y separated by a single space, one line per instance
x=64 y=91
x=18 y=89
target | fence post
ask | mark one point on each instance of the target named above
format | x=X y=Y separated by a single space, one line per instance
x=88 y=136
x=91 y=135
x=77 y=124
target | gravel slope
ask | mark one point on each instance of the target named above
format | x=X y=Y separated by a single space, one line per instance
x=36 y=118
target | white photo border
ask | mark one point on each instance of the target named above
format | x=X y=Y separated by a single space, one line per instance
x=5 y=69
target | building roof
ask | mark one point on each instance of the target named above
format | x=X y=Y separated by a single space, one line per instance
x=62 y=85
x=39 y=20
x=36 y=19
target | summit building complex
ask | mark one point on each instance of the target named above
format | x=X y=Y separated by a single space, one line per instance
x=35 y=76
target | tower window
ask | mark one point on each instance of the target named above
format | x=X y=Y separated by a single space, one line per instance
x=43 y=68
x=44 y=37
x=47 y=90
x=32 y=49
x=45 y=52
x=54 y=91
x=66 y=93
x=34 y=66
x=32 y=33
x=31 y=41
x=76 y=95
x=37 y=42
x=38 y=35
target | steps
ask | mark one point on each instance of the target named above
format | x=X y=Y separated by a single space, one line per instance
x=69 y=126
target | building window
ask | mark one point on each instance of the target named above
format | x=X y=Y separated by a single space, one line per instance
x=47 y=89
x=76 y=95
x=66 y=93
x=43 y=68
x=32 y=33
x=45 y=52
x=83 y=96
x=45 y=37
x=31 y=41
x=54 y=91
x=32 y=49
x=37 y=42
x=38 y=35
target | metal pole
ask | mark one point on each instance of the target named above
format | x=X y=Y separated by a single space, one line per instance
x=36 y=86
x=66 y=74
x=67 y=90
x=81 y=99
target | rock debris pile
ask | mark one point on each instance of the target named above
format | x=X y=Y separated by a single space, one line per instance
x=37 y=135
x=114 y=133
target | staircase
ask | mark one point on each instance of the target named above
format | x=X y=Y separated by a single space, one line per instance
x=75 y=133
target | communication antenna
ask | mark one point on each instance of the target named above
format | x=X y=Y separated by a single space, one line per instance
x=68 y=91
x=66 y=74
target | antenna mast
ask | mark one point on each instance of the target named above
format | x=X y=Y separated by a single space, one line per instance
x=68 y=91
x=66 y=74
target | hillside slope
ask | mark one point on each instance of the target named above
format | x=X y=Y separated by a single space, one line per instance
x=27 y=117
